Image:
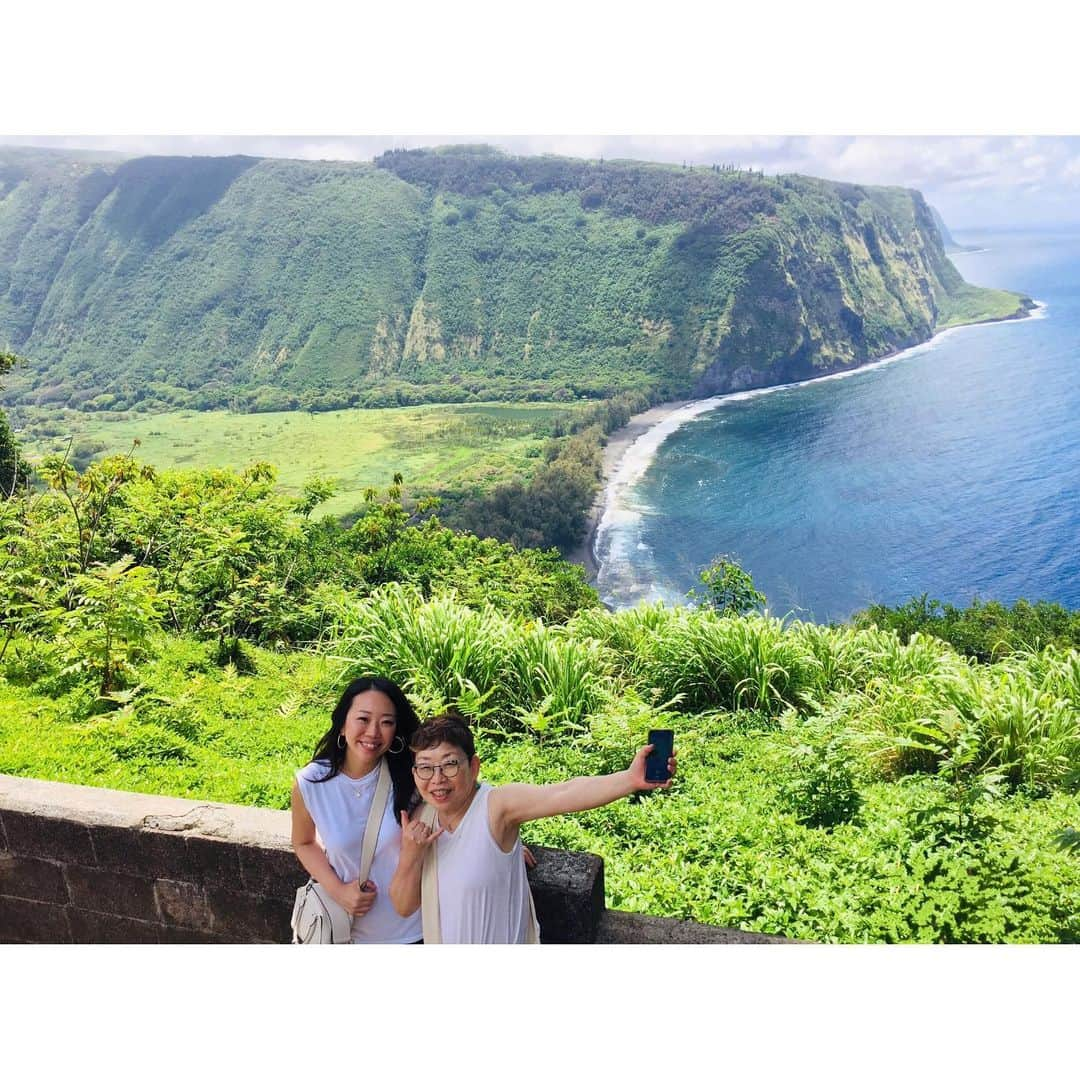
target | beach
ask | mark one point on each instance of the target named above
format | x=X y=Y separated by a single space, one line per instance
x=618 y=443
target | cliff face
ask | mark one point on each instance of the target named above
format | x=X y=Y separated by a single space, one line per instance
x=841 y=275
x=461 y=272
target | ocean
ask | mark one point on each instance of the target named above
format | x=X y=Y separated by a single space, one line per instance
x=951 y=469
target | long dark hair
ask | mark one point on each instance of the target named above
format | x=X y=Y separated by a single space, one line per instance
x=328 y=751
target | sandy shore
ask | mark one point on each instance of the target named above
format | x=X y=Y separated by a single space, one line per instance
x=618 y=443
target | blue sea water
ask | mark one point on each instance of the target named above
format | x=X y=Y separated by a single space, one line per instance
x=953 y=469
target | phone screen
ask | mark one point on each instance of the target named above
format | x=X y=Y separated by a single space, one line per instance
x=663 y=743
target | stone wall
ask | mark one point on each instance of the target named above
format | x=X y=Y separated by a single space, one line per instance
x=81 y=864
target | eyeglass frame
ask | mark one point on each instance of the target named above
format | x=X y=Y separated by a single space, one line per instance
x=442 y=769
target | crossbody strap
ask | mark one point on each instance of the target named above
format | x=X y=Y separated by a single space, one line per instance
x=374 y=821
x=429 y=883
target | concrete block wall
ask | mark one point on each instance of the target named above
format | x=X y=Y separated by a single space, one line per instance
x=81 y=864
x=94 y=865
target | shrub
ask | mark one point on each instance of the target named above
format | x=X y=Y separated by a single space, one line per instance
x=116 y=611
x=986 y=631
x=819 y=775
x=728 y=588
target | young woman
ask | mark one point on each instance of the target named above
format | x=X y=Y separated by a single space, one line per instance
x=331 y=801
x=483 y=895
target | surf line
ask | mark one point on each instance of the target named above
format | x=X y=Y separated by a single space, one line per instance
x=638 y=456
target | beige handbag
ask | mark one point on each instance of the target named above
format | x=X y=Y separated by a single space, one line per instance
x=317 y=918
x=429 y=890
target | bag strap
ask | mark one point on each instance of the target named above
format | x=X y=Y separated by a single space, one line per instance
x=429 y=883
x=429 y=891
x=374 y=821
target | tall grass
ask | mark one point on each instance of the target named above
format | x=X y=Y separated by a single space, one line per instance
x=441 y=652
x=710 y=661
x=505 y=674
x=556 y=681
x=911 y=708
x=1014 y=719
x=627 y=633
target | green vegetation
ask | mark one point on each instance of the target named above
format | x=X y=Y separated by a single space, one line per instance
x=98 y=562
x=551 y=508
x=834 y=784
x=985 y=630
x=192 y=729
x=13 y=469
x=451 y=275
x=524 y=473
x=186 y=632
x=969 y=304
x=727 y=587
x=445 y=449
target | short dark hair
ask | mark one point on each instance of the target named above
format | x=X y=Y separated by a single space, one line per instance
x=448 y=727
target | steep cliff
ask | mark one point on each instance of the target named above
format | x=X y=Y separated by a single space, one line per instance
x=450 y=274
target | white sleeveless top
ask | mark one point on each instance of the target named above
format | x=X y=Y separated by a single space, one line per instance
x=483 y=890
x=340 y=807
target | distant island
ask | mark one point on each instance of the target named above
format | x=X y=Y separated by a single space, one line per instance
x=453 y=274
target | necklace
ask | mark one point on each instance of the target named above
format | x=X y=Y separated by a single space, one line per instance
x=358 y=792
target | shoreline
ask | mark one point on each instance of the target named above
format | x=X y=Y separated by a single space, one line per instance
x=620 y=441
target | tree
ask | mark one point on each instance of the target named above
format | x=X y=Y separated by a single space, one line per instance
x=728 y=587
x=111 y=624
x=13 y=469
x=90 y=496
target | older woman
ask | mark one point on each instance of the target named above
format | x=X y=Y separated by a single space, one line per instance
x=482 y=894
x=333 y=797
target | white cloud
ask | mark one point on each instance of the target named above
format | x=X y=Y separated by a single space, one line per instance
x=972 y=179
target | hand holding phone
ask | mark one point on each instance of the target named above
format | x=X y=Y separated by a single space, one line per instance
x=663 y=747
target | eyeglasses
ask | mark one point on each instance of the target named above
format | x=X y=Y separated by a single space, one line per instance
x=449 y=769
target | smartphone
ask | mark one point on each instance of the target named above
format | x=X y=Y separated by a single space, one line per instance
x=663 y=745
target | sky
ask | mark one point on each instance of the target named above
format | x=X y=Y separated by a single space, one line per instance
x=973 y=181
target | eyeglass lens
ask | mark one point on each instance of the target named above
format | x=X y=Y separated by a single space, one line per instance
x=448 y=769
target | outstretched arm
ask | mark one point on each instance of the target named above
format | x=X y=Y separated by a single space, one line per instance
x=513 y=804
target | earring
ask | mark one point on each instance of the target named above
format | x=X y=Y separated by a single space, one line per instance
x=341 y=742
x=397 y=738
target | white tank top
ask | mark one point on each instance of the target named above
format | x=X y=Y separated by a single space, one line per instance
x=483 y=890
x=340 y=807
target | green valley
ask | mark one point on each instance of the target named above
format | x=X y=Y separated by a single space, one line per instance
x=239 y=380
x=436 y=447
x=450 y=275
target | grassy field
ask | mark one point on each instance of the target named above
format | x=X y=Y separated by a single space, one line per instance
x=432 y=446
